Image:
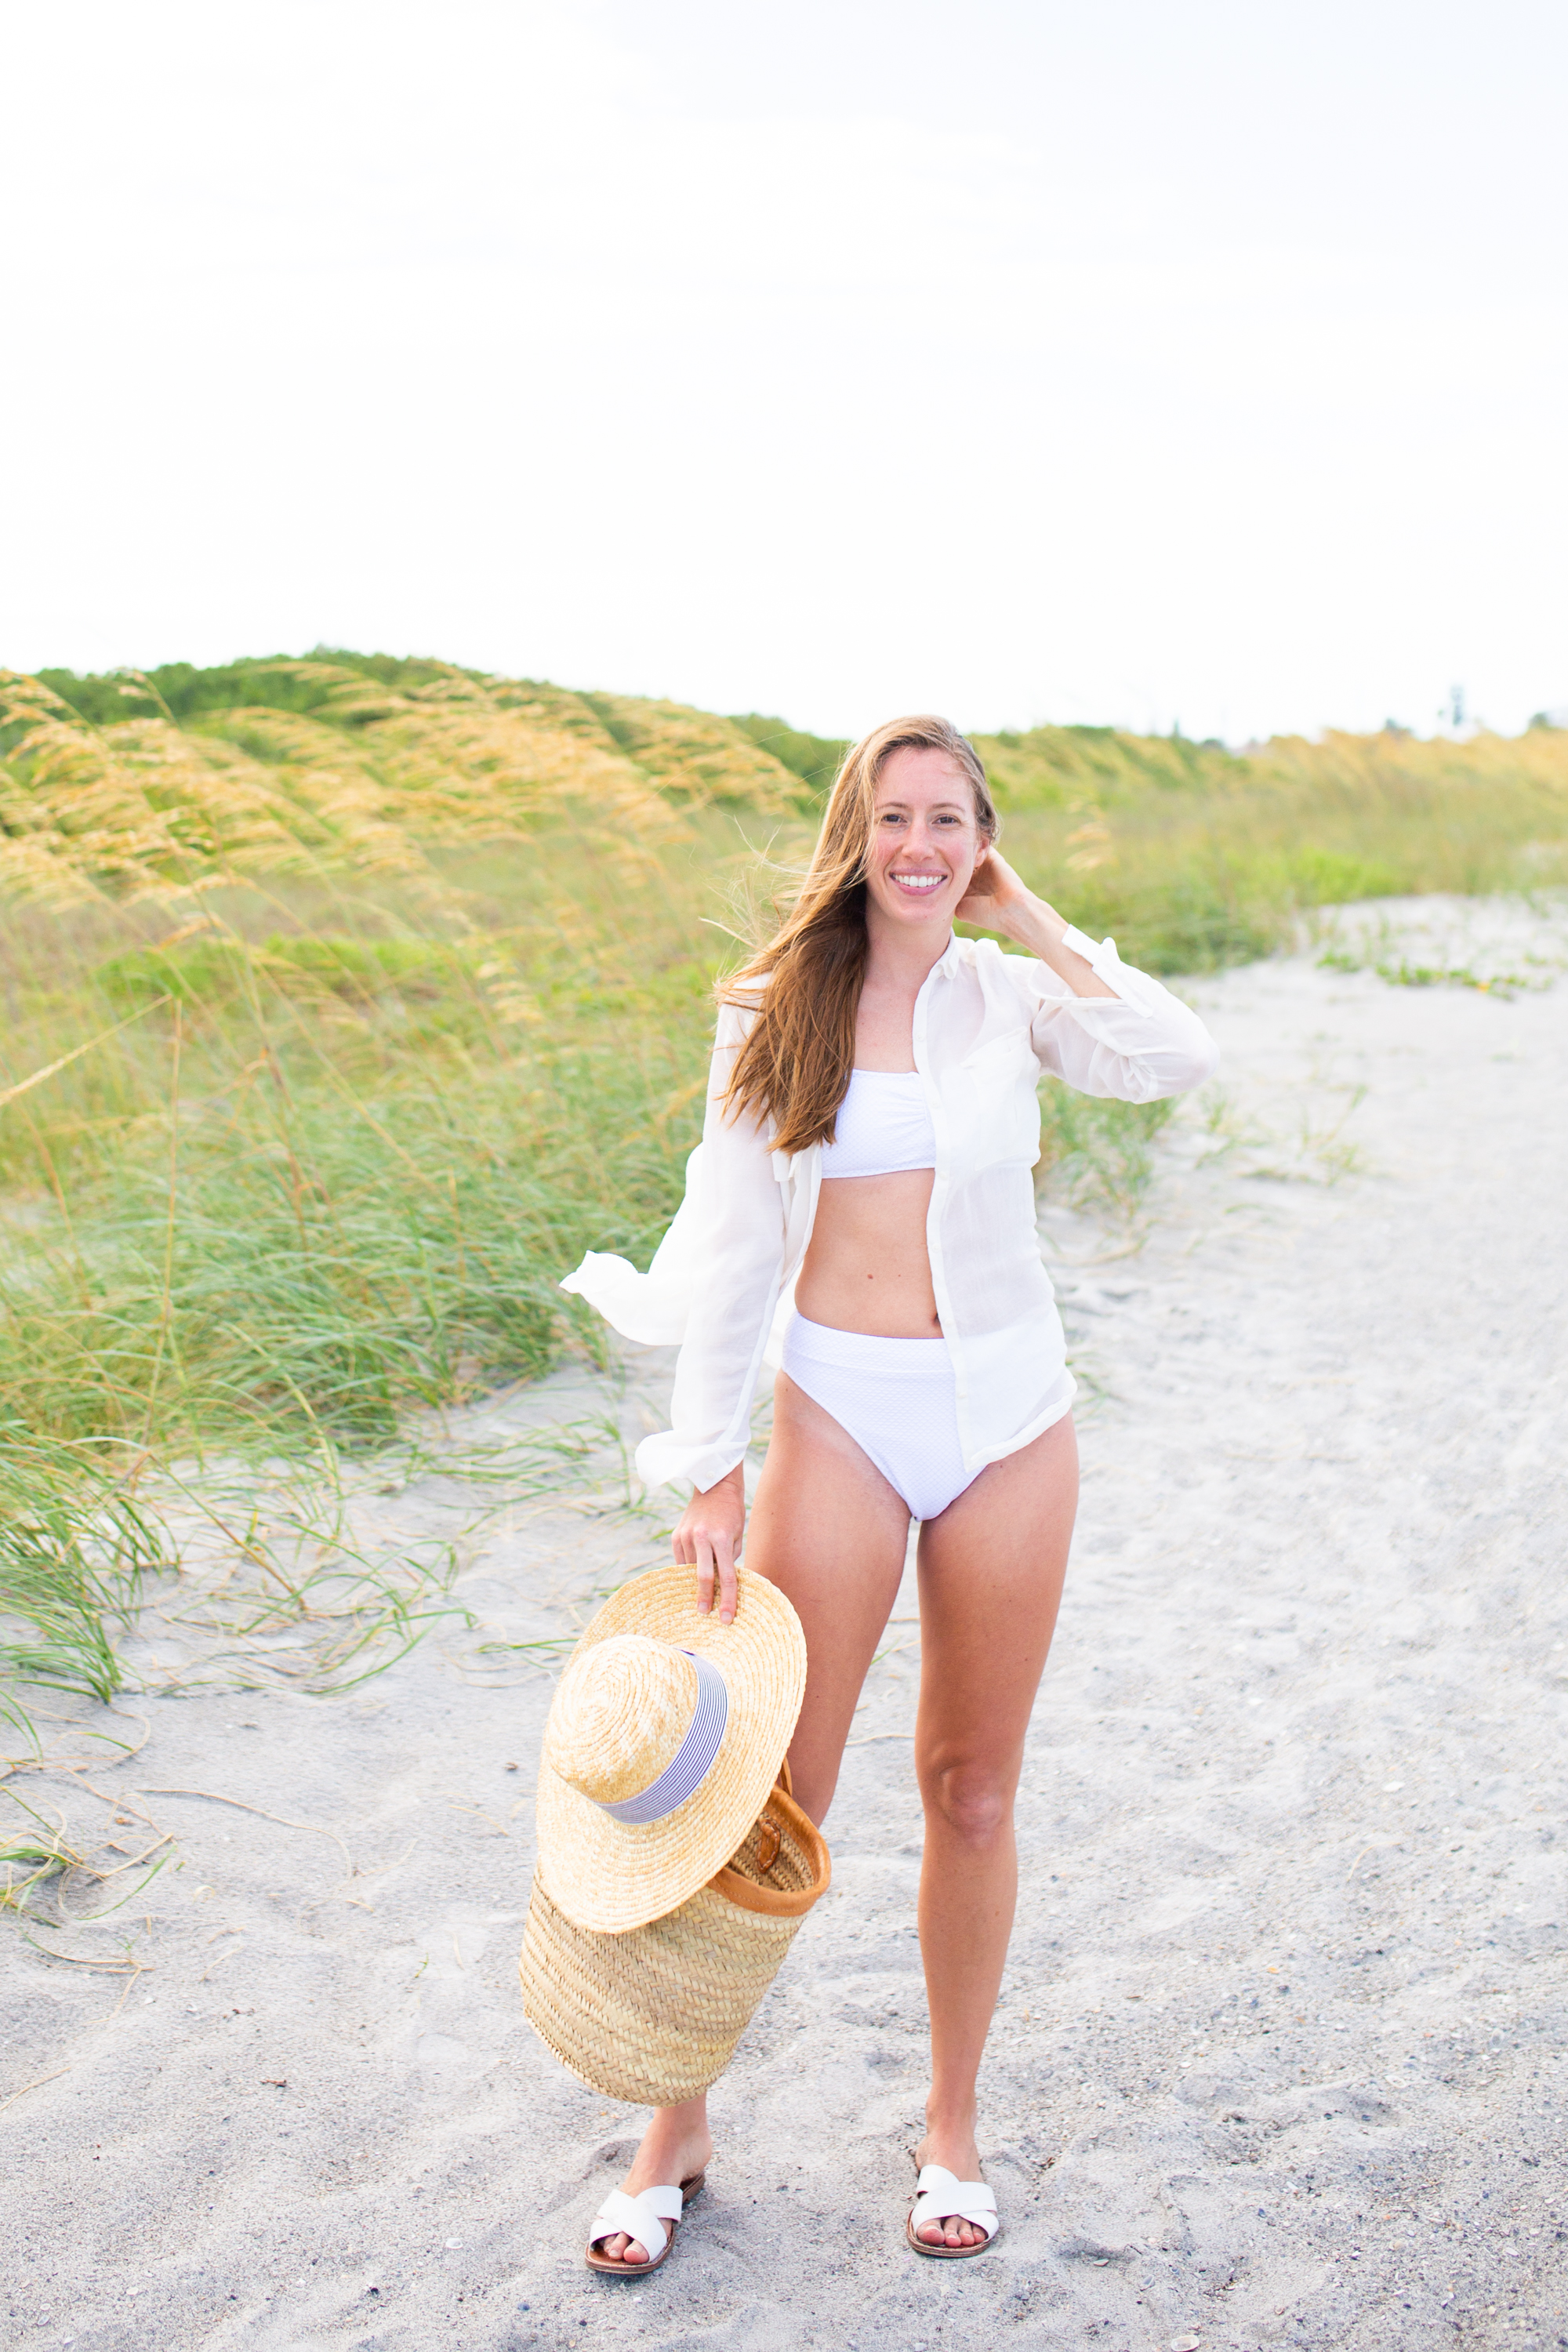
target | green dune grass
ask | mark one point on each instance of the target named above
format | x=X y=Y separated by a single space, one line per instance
x=347 y=1000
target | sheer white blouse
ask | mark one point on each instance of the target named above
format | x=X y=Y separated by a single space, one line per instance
x=722 y=1284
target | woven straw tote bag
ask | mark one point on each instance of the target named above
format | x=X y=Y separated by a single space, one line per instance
x=653 y=2015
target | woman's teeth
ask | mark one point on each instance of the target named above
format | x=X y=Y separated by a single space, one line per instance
x=919 y=881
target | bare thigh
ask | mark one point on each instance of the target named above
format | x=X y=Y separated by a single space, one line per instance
x=991 y=1569
x=828 y=1530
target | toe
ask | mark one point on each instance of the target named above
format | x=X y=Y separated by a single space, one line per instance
x=953 y=2232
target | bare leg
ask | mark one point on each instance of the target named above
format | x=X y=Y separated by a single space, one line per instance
x=828 y=1529
x=991 y=1568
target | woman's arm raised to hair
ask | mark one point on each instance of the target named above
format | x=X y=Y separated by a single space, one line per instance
x=997 y=902
x=1116 y=1033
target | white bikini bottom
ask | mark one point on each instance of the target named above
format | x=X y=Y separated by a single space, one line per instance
x=896 y=1398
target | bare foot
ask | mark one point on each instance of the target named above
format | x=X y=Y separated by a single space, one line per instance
x=957 y=2152
x=676 y=2145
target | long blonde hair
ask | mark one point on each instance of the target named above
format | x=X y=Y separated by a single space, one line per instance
x=795 y=1062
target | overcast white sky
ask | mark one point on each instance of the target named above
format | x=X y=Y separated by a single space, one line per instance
x=1146 y=360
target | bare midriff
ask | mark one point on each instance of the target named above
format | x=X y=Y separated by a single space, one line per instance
x=867 y=1267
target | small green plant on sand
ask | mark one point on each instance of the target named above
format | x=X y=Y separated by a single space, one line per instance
x=1402 y=973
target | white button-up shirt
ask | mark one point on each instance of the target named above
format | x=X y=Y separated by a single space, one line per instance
x=722 y=1284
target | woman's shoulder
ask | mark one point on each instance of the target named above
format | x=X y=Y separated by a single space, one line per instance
x=986 y=964
x=738 y=1009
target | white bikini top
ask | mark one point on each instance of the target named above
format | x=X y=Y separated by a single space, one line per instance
x=883 y=1126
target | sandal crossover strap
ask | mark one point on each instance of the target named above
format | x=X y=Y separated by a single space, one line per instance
x=942 y=2197
x=642 y=2216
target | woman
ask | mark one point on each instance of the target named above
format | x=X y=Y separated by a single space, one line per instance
x=864 y=1193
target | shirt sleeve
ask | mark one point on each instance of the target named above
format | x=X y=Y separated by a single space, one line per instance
x=740 y=1212
x=713 y=1287
x=1137 y=1045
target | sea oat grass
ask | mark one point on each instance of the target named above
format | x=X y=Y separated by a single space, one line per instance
x=74 y=1546
x=344 y=1003
x=1193 y=856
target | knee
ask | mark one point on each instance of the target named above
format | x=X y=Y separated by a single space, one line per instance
x=971 y=1799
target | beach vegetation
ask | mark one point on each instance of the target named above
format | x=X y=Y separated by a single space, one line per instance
x=346 y=1001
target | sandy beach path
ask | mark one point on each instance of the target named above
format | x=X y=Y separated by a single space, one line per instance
x=1279 y=2057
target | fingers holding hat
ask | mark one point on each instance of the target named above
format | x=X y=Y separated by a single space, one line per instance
x=707 y=1538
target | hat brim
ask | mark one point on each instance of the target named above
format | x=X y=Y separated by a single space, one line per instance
x=611 y=1876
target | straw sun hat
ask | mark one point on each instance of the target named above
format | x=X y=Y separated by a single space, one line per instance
x=666 y=1736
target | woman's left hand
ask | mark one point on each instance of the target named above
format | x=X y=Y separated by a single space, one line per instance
x=997 y=902
x=995 y=898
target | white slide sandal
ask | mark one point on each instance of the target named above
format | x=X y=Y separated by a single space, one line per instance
x=941 y=2196
x=643 y=2217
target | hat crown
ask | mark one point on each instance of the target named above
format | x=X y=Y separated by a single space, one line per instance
x=623 y=1709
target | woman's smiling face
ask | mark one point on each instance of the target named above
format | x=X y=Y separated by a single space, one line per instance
x=925 y=840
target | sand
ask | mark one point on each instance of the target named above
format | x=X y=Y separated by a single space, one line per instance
x=1279 y=2055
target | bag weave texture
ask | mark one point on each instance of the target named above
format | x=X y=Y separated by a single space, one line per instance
x=653 y=2015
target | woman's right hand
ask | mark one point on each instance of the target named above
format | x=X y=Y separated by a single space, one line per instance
x=707 y=1538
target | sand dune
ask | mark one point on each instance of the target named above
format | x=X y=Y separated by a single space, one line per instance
x=1279 y=2056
